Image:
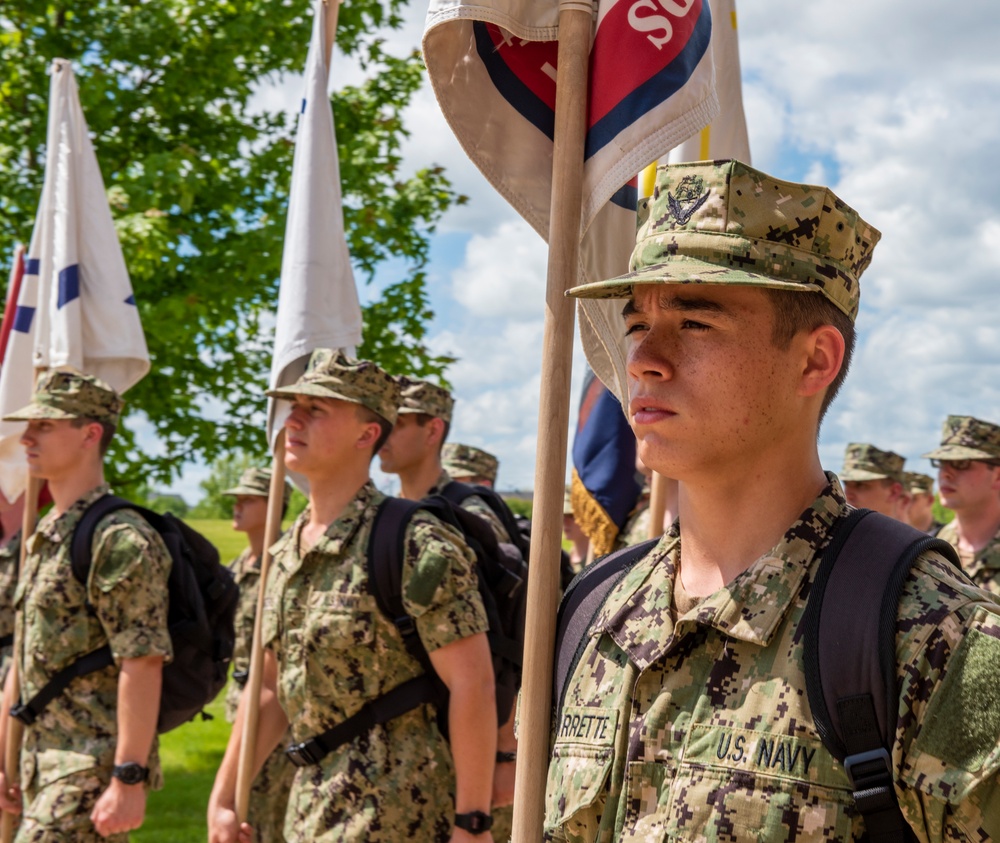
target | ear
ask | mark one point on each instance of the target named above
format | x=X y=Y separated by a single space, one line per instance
x=996 y=479
x=435 y=432
x=92 y=436
x=824 y=349
x=369 y=436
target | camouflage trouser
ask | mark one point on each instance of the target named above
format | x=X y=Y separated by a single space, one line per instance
x=503 y=823
x=269 y=797
x=59 y=810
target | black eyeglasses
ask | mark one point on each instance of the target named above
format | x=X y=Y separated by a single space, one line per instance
x=961 y=465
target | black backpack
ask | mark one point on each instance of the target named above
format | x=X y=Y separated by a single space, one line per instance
x=849 y=637
x=202 y=607
x=502 y=579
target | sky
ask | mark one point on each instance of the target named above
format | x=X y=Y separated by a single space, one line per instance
x=895 y=106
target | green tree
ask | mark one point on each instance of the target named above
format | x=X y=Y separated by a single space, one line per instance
x=198 y=186
x=224 y=474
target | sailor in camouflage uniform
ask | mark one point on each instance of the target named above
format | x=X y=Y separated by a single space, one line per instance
x=873 y=479
x=920 y=509
x=11 y=516
x=101 y=731
x=329 y=650
x=414 y=452
x=968 y=464
x=269 y=796
x=469 y=464
x=686 y=717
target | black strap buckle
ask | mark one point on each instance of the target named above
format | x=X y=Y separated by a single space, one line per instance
x=305 y=754
x=240 y=677
x=869 y=769
x=23 y=713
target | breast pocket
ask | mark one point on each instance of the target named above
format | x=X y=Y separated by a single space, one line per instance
x=579 y=768
x=338 y=647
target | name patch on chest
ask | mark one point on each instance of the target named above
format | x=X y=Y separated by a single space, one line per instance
x=586 y=725
x=801 y=759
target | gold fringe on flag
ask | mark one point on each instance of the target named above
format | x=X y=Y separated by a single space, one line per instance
x=592 y=518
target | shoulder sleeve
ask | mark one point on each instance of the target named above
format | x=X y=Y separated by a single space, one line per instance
x=128 y=586
x=440 y=587
x=949 y=705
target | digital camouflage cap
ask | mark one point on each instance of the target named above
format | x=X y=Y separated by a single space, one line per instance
x=918 y=484
x=967 y=438
x=65 y=393
x=723 y=222
x=866 y=462
x=332 y=374
x=418 y=396
x=467 y=461
x=256 y=482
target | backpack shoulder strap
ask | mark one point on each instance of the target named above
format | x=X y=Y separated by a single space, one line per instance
x=849 y=625
x=583 y=599
x=456 y=493
x=386 y=552
x=83 y=535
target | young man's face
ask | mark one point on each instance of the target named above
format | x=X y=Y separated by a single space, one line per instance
x=882 y=495
x=921 y=508
x=972 y=487
x=55 y=448
x=249 y=513
x=406 y=446
x=709 y=391
x=321 y=434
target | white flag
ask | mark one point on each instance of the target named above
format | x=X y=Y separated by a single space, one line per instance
x=318 y=303
x=76 y=306
x=601 y=328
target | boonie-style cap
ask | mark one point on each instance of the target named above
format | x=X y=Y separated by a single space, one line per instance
x=419 y=396
x=863 y=461
x=917 y=483
x=332 y=374
x=467 y=461
x=723 y=222
x=66 y=393
x=256 y=482
x=967 y=438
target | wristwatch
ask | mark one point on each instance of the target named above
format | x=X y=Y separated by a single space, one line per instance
x=506 y=757
x=475 y=822
x=131 y=772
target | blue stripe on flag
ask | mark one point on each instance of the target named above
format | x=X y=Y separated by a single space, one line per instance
x=653 y=91
x=69 y=285
x=512 y=89
x=130 y=299
x=303 y=111
x=22 y=318
x=626 y=197
x=32 y=266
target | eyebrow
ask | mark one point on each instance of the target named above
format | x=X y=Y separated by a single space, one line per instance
x=683 y=303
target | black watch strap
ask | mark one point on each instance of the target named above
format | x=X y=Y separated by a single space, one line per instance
x=474 y=822
x=131 y=772
x=506 y=757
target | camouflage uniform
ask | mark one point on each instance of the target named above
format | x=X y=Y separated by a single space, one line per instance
x=467 y=461
x=10 y=559
x=968 y=438
x=336 y=651
x=693 y=722
x=863 y=462
x=269 y=795
x=68 y=753
x=922 y=484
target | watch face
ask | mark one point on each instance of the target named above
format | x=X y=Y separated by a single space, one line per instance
x=131 y=773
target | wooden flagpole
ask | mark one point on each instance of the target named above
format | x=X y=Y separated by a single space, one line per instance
x=575 y=35
x=272 y=528
x=657 y=504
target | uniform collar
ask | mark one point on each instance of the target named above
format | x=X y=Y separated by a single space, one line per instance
x=337 y=536
x=750 y=608
x=58 y=528
x=444 y=478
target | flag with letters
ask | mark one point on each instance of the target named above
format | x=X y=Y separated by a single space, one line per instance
x=492 y=65
x=75 y=306
x=318 y=305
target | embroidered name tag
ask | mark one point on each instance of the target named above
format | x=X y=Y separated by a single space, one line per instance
x=801 y=759
x=586 y=725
